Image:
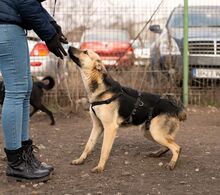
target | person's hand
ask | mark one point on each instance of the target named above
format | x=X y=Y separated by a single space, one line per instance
x=63 y=39
x=54 y=45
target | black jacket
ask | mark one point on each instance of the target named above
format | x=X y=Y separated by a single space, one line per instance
x=29 y=14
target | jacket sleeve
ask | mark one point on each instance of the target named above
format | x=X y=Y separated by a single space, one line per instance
x=48 y=16
x=33 y=16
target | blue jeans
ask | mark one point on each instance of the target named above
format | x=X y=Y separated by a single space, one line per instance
x=15 y=69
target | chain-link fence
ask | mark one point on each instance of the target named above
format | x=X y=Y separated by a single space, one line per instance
x=141 y=44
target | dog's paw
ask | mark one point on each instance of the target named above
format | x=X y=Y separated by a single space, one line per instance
x=170 y=165
x=97 y=169
x=77 y=162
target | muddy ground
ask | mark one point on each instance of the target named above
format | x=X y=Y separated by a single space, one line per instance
x=129 y=170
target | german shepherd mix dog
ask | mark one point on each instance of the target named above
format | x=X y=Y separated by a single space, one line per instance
x=36 y=96
x=112 y=106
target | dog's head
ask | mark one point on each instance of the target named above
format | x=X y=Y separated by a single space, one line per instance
x=91 y=67
x=87 y=60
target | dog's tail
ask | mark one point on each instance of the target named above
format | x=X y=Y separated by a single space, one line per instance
x=182 y=116
x=180 y=111
x=50 y=84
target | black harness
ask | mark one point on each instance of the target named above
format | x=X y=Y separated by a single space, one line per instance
x=138 y=103
x=108 y=101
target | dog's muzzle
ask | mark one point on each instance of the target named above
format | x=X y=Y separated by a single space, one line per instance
x=73 y=53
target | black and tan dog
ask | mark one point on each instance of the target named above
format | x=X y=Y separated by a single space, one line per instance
x=36 y=96
x=113 y=105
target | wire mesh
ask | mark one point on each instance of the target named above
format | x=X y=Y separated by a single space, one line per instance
x=141 y=44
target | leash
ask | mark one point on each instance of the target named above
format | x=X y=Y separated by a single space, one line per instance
x=54 y=7
x=138 y=35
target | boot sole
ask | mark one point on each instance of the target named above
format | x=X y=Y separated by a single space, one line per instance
x=19 y=179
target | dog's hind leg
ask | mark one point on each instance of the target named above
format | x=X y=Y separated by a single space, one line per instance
x=175 y=149
x=33 y=111
x=157 y=153
x=97 y=129
x=48 y=112
x=161 y=133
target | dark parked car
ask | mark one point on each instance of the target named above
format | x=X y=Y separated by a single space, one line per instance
x=113 y=46
x=204 y=44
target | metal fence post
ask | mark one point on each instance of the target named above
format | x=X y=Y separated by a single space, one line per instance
x=185 y=57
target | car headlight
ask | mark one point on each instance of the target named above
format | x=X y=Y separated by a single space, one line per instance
x=168 y=46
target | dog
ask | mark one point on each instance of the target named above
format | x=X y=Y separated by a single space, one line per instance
x=83 y=103
x=36 y=96
x=113 y=105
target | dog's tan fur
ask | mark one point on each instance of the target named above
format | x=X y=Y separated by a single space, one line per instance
x=106 y=119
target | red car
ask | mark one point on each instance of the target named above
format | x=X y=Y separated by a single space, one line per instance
x=113 y=46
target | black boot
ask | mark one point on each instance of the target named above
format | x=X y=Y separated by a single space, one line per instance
x=29 y=147
x=20 y=167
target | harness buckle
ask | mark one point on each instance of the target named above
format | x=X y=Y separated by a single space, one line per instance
x=134 y=112
x=141 y=103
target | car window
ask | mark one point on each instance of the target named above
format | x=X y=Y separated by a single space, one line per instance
x=199 y=18
x=136 y=44
x=107 y=36
x=139 y=44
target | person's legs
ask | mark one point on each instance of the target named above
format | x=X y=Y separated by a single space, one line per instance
x=26 y=106
x=14 y=65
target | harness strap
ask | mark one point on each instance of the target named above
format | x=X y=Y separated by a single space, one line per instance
x=108 y=101
x=137 y=104
x=140 y=103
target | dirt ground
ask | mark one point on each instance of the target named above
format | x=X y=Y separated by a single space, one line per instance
x=129 y=170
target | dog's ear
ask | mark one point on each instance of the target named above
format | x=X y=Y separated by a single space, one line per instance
x=98 y=65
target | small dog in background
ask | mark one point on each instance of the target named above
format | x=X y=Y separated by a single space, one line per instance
x=36 y=96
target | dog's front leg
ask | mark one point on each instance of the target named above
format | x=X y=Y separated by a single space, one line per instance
x=109 y=137
x=95 y=133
